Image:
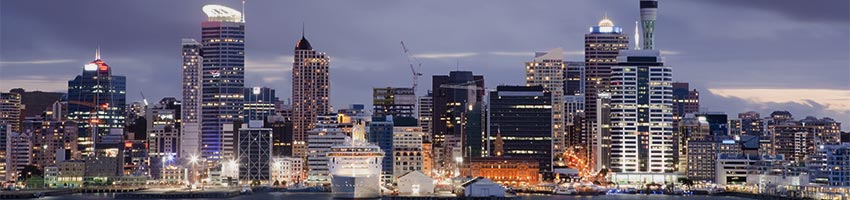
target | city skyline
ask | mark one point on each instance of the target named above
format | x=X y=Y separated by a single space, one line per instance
x=773 y=46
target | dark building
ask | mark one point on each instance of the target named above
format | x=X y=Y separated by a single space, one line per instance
x=259 y=103
x=95 y=91
x=396 y=102
x=574 y=78
x=281 y=135
x=452 y=97
x=685 y=101
x=521 y=116
x=751 y=123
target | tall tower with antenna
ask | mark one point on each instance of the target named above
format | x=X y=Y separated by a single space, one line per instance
x=648 y=12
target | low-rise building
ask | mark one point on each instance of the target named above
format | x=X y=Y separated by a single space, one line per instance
x=482 y=187
x=506 y=170
x=415 y=183
x=287 y=171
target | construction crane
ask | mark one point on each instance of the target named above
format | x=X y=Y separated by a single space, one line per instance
x=410 y=60
x=145 y=100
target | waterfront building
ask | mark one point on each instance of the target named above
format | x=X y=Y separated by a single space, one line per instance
x=319 y=143
x=281 y=135
x=415 y=183
x=52 y=141
x=18 y=154
x=222 y=77
x=510 y=171
x=190 y=113
x=522 y=117
x=453 y=94
x=255 y=153
x=482 y=187
x=163 y=138
x=547 y=70
x=287 y=171
x=406 y=150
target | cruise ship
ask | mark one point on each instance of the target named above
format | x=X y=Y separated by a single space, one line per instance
x=355 y=168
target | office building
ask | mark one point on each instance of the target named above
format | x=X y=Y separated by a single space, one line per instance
x=751 y=123
x=685 y=101
x=396 y=102
x=453 y=94
x=52 y=141
x=838 y=161
x=286 y=171
x=97 y=103
x=641 y=113
x=19 y=154
x=163 y=138
x=281 y=135
x=255 y=153
x=522 y=117
x=547 y=70
x=222 y=77
x=406 y=150
x=319 y=144
x=190 y=127
x=310 y=91
x=10 y=110
x=602 y=44
x=599 y=144
x=426 y=114
x=508 y=171
x=259 y=103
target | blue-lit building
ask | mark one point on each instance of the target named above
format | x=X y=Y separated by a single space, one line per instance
x=259 y=103
x=97 y=102
x=223 y=78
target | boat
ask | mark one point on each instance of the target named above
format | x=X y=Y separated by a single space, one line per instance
x=355 y=168
x=565 y=191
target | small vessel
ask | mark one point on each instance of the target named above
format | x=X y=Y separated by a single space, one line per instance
x=565 y=190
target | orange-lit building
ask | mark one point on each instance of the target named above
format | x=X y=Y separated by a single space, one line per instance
x=427 y=163
x=505 y=170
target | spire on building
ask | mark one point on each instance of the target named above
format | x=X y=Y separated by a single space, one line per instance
x=243 y=11
x=303 y=44
x=637 y=36
x=97 y=53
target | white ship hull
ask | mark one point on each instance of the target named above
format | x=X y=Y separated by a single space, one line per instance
x=361 y=187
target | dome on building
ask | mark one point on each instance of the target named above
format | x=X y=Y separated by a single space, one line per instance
x=606 y=23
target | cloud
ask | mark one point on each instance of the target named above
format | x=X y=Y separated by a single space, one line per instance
x=37 y=62
x=831 y=99
x=277 y=64
x=512 y=53
x=35 y=82
x=669 y=53
x=445 y=55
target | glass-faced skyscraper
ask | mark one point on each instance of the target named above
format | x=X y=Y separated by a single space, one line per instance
x=223 y=76
x=97 y=102
x=310 y=92
x=521 y=116
x=547 y=70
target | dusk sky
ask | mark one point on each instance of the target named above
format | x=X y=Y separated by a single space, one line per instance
x=742 y=55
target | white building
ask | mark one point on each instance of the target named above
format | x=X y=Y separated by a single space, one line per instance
x=482 y=187
x=415 y=183
x=407 y=150
x=287 y=171
x=319 y=143
x=18 y=153
x=190 y=108
x=547 y=70
x=641 y=113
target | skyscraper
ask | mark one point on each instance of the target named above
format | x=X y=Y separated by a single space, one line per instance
x=453 y=96
x=648 y=12
x=396 y=102
x=223 y=77
x=190 y=140
x=310 y=91
x=522 y=117
x=255 y=152
x=97 y=102
x=547 y=70
x=601 y=47
x=685 y=101
x=10 y=110
x=641 y=113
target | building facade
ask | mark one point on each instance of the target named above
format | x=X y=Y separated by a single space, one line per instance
x=547 y=70
x=97 y=103
x=310 y=92
x=641 y=113
x=259 y=103
x=255 y=153
x=685 y=101
x=10 y=110
x=222 y=77
x=396 y=102
x=407 y=150
x=190 y=140
x=521 y=117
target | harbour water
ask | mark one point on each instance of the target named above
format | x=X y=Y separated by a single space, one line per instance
x=327 y=196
